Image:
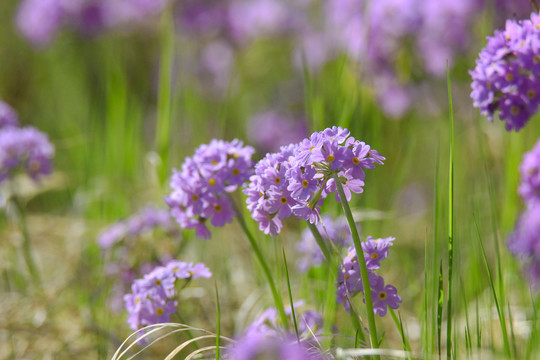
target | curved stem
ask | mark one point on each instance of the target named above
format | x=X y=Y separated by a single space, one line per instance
x=361 y=262
x=266 y=269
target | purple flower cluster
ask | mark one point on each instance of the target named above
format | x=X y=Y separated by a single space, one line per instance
x=524 y=242
x=41 y=20
x=506 y=75
x=382 y=33
x=295 y=180
x=144 y=221
x=266 y=338
x=529 y=189
x=200 y=189
x=334 y=232
x=26 y=148
x=153 y=297
x=255 y=345
x=350 y=283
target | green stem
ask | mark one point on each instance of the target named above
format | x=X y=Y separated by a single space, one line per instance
x=450 y=226
x=320 y=241
x=361 y=262
x=26 y=246
x=164 y=107
x=266 y=269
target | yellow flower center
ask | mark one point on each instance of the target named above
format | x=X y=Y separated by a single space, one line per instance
x=159 y=311
x=157 y=282
x=212 y=182
x=531 y=94
x=277 y=180
x=305 y=183
x=509 y=77
x=536 y=58
x=283 y=200
x=382 y=295
x=330 y=158
x=356 y=160
x=374 y=256
x=34 y=166
x=514 y=110
x=195 y=197
x=217 y=207
x=235 y=171
x=311 y=148
x=214 y=162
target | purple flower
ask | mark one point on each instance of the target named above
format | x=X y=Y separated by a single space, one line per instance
x=505 y=78
x=529 y=189
x=26 y=148
x=376 y=250
x=296 y=180
x=349 y=282
x=200 y=189
x=152 y=299
x=256 y=345
x=145 y=221
x=524 y=243
x=8 y=116
x=309 y=322
x=383 y=296
x=40 y=20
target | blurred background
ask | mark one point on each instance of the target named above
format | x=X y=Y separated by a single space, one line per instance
x=127 y=89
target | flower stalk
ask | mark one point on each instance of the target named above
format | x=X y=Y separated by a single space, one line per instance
x=361 y=262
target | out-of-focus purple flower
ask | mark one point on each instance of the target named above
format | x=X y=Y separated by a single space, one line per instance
x=271 y=130
x=295 y=180
x=505 y=78
x=254 y=345
x=152 y=299
x=143 y=222
x=8 y=116
x=309 y=322
x=40 y=20
x=380 y=33
x=529 y=189
x=26 y=148
x=349 y=281
x=217 y=60
x=200 y=189
x=524 y=243
x=251 y=19
x=335 y=232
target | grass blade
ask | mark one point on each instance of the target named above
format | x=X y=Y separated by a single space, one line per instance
x=290 y=295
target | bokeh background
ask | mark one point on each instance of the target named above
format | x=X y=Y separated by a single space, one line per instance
x=125 y=95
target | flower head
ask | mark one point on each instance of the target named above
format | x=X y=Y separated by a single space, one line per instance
x=200 y=189
x=505 y=78
x=524 y=243
x=143 y=222
x=153 y=298
x=349 y=281
x=296 y=180
x=25 y=148
x=529 y=189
